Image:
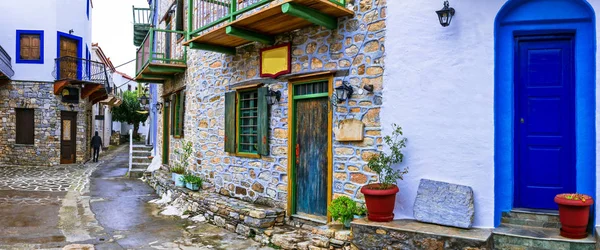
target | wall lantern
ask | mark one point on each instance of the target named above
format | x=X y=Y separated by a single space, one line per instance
x=343 y=92
x=445 y=14
x=143 y=100
x=273 y=97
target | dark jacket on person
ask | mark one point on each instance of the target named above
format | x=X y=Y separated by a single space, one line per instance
x=96 y=141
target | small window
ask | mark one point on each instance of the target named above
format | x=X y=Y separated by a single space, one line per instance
x=247 y=122
x=24 y=126
x=177 y=113
x=30 y=46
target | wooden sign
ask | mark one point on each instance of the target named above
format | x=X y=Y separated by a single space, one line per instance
x=349 y=130
x=276 y=61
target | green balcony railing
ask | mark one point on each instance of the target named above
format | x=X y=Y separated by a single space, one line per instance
x=160 y=47
x=210 y=13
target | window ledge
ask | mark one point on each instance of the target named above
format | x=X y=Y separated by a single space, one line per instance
x=247 y=155
x=24 y=145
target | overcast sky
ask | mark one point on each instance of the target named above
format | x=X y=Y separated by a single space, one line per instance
x=112 y=29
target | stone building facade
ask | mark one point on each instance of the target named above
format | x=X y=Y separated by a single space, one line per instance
x=353 y=53
x=47 y=128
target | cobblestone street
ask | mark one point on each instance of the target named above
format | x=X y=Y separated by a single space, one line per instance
x=95 y=205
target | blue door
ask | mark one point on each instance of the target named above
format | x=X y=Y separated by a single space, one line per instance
x=544 y=120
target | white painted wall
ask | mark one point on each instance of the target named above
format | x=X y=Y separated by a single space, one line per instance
x=50 y=16
x=439 y=86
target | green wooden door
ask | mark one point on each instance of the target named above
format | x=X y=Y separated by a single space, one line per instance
x=166 y=120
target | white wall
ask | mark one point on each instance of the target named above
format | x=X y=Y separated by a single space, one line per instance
x=47 y=15
x=439 y=86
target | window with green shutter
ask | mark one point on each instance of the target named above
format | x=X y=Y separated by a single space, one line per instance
x=247 y=122
x=177 y=113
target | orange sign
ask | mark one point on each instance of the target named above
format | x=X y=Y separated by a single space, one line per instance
x=276 y=61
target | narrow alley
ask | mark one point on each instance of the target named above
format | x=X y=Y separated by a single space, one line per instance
x=96 y=205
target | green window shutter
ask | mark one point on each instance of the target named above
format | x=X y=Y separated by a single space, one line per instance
x=173 y=113
x=179 y=18
x=263 y=122
x=181 y=112
x=230 y=121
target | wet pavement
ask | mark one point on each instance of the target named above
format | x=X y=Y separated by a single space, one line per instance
x=98 y=205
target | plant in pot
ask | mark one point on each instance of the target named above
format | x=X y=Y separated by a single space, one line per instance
x=193 y=182
x=361 y=212
x=380 y=197
x=343 y=210
x=573 y=212
x=176 y=174
x=181 y=166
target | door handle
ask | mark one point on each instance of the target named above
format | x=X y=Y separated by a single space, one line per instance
x=522 y=120
x=297 y=153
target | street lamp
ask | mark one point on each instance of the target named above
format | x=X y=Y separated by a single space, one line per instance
x=445 y=14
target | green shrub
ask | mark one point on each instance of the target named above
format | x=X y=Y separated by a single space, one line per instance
x=178 y=170
x=342 y=209
x=382 y=163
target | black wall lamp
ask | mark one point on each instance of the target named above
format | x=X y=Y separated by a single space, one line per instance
x=343 y=92
x=445 y=14
x=273 y=96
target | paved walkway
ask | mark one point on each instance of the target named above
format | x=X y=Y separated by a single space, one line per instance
x=95 y=204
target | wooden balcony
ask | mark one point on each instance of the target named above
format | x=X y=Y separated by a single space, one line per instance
x=6 y=71
x=222 y=25
x=142 y=22
x=92 y=76
x=160 y=57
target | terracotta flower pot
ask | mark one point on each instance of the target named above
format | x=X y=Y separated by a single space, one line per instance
x=574 y=214
x=380 y=202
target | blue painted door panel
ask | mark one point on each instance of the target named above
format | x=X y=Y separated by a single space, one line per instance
x=311 y=157
x=544 y=121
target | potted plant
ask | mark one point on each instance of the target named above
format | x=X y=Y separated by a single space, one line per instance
x=361 y=212
x=176 y=174
x=343 y=210
x=381 y=197
x=192 y=182
x=573 y=212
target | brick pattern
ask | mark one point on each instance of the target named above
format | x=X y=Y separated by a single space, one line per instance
x=357 y=45
x=47 y=107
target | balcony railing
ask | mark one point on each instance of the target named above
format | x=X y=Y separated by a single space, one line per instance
x=160 y=48
x=6 y=70
x=80 y=70
x=142 y=21
x=207 y=14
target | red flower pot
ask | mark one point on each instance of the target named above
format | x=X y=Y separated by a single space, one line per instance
x=574 y=214
x=380 y=202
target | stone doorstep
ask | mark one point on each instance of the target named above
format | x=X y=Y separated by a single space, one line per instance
x=537 y=233
x=411 y=234
x=245 y=219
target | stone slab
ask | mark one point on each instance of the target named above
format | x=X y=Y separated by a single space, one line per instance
x=349 y=130
x=444 y=204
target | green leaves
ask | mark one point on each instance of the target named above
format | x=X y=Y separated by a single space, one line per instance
x=192 y=179
x=127 y=111
x=382 y=163
x=343 y=208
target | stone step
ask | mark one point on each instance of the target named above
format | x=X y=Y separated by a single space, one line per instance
x=137 y=165
x=136 y=173
x=531 y=218
x=141 y=159
x=141 y=153
x=142 y=147
x=524 y=237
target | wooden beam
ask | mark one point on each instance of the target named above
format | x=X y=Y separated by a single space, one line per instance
x=59 y=86
x=311 y=15
x=165 y=69
x=213 y=48
x=89 y=89
x=249 y=35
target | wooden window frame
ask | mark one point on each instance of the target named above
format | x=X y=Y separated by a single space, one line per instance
x=18 y=43
x=19 y=127
x=238 y=123
x=177 y=113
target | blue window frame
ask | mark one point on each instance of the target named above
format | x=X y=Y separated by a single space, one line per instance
x=88 y=63
x=21 y=33
x=87 y=9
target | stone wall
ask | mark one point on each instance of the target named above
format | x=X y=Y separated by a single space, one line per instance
x=357 y=46
x=47 y=107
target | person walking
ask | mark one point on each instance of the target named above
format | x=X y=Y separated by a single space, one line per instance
x=96 y=144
